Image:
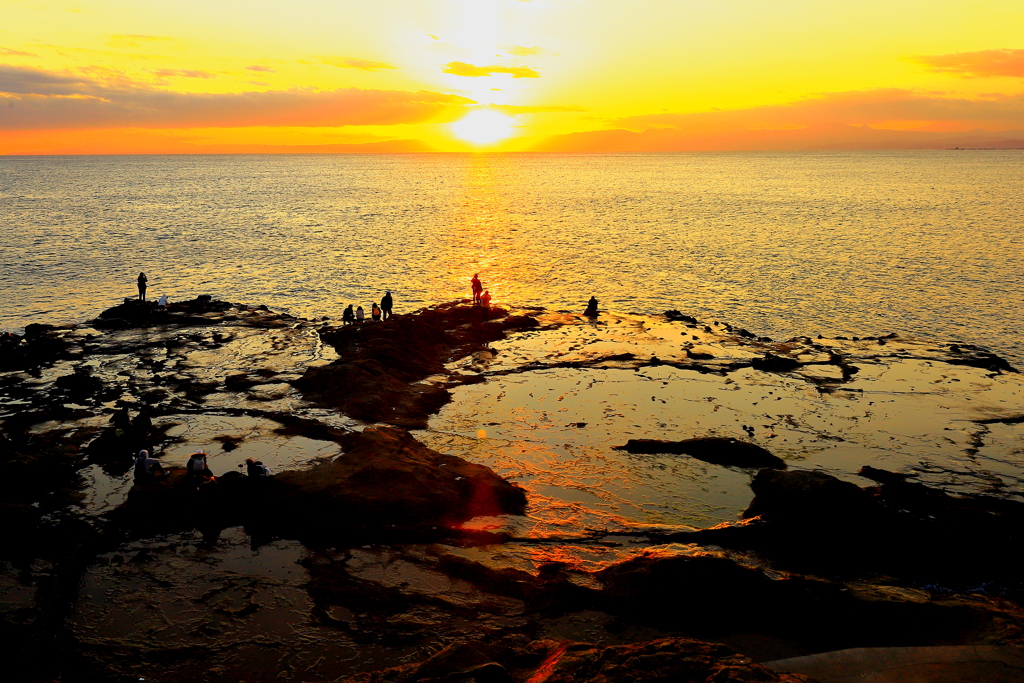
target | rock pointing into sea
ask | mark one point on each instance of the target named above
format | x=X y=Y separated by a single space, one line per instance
x=719 y=451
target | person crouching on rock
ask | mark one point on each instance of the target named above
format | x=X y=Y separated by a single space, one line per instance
x=375 y=311
x=591 y=311
x=485 y=299
x=196 y=467
x=348 y=317
x=255 y=468
x=147 y=470
x=360 y=316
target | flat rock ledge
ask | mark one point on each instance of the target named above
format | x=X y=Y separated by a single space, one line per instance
x=385 y=482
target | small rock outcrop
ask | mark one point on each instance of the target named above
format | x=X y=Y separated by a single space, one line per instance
x=773 y=363
x=718 y=451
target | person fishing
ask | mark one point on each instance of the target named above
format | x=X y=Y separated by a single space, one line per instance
x=477 y=288
x=196 y=468
x=142 y=286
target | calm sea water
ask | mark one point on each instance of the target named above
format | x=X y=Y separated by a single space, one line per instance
x=925 y=242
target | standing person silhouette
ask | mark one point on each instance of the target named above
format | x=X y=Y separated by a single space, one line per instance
x=385 y=305
x=142 y=286
x=477 y=288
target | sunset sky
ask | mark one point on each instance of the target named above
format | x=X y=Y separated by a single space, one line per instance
x=124 y=76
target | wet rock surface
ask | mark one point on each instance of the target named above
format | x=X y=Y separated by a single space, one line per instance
x=571 y=662
x=506 y=538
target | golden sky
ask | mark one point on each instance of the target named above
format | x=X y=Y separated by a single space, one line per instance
x=122 y=76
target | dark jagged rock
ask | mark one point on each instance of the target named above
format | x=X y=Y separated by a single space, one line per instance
x=719 y=451
x=41 y=344
x=812 y=522
x=792 y=495
x=705 y=596
x=133 y=313
x=679 y=317
x=773 y=363
x=882 y=476
x=984 y=360
x=559 y=661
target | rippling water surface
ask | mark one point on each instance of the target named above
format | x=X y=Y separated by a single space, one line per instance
x=925 y=243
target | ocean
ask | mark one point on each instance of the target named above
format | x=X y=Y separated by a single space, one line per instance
x=923 y=243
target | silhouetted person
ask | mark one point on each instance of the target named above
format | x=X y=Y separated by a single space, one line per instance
x=375 y=311
x=477 y=288
x=385 y=305
x=360 y=316
x=142 y=286
x=196 y=468
x=255 y=468
x=348 y=317
x=142 y=425
x=591 y=308
x=121 y=421
x=485 y=299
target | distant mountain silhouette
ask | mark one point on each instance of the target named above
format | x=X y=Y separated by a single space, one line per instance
x=820 y=137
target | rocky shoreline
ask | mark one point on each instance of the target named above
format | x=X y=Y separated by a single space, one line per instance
x=167 y=581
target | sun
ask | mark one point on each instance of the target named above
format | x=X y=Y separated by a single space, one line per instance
x=483 y=126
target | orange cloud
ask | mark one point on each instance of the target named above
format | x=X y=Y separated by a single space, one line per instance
x=39 y=100
x=183 y=73
x=136 y=141
x=981 y=63
x=355 y=63
x=527 y=109
x=16 y=53
x=473 y=71
x=260 y=67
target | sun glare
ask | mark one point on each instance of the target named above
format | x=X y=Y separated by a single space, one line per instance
x=484 y=126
